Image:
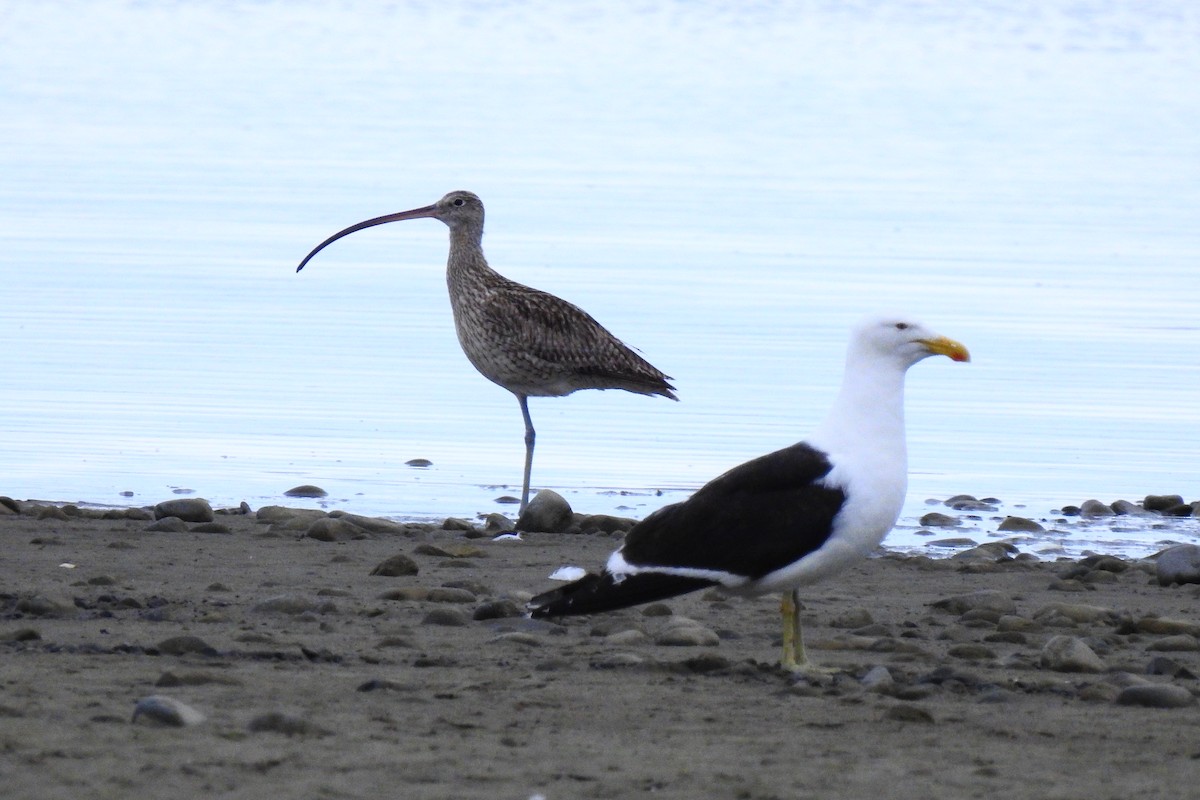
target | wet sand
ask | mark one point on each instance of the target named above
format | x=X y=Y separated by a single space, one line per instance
x=317 y=679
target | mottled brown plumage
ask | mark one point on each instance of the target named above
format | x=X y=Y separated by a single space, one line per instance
x=528 y=341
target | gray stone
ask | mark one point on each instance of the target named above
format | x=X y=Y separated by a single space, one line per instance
x=159 y=709
x=287 y=724
x=184 y=645
x=447 y=594
x=1070 y=654
x=547 y=512
x=396 y=566
x=292 y=604
x=497 y=609
x=1094 y=508
x=307 y=490
x=1125 y=507
x=1156 y=695
x=1161 y=502
x=878 y=679
x=328 y=529
x=936 y=519
x=168 y=525
x=1020 y=524
x=989 y=599
x=1078 y=613
x=1178 y=564
x=447 y=616
x=854 y=618
x=188 y=509
x=1179 y=643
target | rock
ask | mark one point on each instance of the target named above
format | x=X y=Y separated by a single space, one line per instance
x=372 y=524
x=1161 y=502
x=988 y=552
x=547 y=512
x=183 y=645
x=38 y=605
x=936 y=519
x=273 y=514
x=1075 y=612
x=1178 y=643
x=878 y=679
x=498 y=609
x=292 y=604
x=1070 y=654
x=447 y=616
x=1124 y=507
x=330 y=529
x=684 y=632
x=448 y=594
x=1020 y=524
x=989 y=599
x=159 y=709
x=1094 y=508
x=168 y=525
x=188 y=509
x=307 y=490
x=396 y=566
x=971 y=652
x=908 y=714
x=457 y=524
x=854 y=618
x=1156 y=695
x=287 y=724
x=1166 y=626
x=1178 y=564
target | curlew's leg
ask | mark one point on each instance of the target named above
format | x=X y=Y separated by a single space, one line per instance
x=530 y=436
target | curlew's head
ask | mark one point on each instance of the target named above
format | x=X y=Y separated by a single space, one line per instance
x=460 y=210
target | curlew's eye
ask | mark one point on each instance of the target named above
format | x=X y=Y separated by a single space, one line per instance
x=458 y=201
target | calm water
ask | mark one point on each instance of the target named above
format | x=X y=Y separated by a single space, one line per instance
x=726 y=188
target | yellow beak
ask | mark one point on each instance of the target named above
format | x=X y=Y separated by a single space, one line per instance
x=944 y=346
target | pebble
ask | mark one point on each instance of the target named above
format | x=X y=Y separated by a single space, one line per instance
x=168 y=525
x=293 y=604
x=306 y=490
x=684 y=632
x=936 y=519
x=1156 y=695
x=287 y=724
x=878 y=679
x=188 y=509
x=1178 y=643
x=1070 y=654
x=989 y=599
x=1179 y=564
x=1094 y=508
x=1167 y=626
x=447 y=616
x=447 y=594
x=329 y=529
x=1161 y=502
x=1020 y=524
x=396 y=566
x=498 y=609
x=158 y=709
x=547 y=512
x=183 y=645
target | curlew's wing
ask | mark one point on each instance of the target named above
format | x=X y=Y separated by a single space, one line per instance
x=550 y=336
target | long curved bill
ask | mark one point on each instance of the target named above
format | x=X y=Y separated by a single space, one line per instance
x=416 y=213
x=945 y=346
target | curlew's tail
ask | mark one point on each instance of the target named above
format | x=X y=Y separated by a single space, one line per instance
x=595 y=593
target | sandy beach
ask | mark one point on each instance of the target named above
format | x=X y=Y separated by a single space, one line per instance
x=264 y=658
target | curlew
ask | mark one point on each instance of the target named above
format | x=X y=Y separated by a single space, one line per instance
x=786 y=519
x=528 y=341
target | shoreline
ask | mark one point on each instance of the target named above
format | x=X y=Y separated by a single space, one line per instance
x=298 y=652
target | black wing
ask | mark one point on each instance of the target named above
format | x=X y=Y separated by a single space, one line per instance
x=760 y=516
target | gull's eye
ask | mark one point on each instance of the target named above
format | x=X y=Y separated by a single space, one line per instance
x=901 y=326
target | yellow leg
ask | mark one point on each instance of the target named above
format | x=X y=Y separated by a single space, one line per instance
x=794 y=657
